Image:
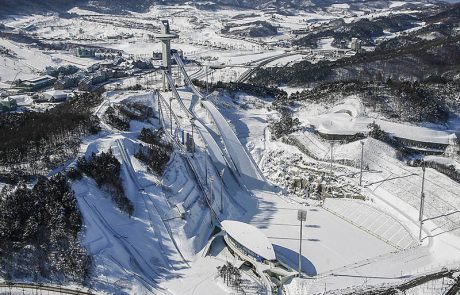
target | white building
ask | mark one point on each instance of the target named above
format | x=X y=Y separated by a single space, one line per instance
x=249 y=240
x=355 y=44
x=252 y=247
x=56 y=95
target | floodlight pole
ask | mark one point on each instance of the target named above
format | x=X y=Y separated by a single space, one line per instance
x=206 y=162
x=362 y=157
x=212 y=195
x=422 y=204
x=300 y=248
x=332 y=149
x=207 y=83
x=192 y=121
x=154 y=100
x=266 y=137
x=221 y=191
x=170 y=114
x=159 y=106
x=301 y=216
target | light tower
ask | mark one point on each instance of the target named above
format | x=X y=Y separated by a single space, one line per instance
x=165 y=36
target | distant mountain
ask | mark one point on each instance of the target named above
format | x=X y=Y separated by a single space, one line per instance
x=11 y=7
x=26 y=6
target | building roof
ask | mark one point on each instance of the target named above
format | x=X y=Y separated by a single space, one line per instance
x=345 y=122
x=40 y=79
x=56 y=93
x=162 y=36
x=250 y=237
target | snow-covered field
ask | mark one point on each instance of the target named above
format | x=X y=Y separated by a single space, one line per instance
x=385 y=174
x=239 y=173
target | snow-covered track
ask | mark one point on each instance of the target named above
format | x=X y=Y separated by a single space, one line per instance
x=190 y=84
x=187 y=79
x=159 y=237
x=168 y=230
x=128 y=164
x=217 y=155
x=136 y=257
x=177 y=96
x=143 y=281
x=135 y=180
x=244 y=163
x=237 y=153
x=189 y=161
x=11 y=286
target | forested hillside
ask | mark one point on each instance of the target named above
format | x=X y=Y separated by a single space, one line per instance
x=39 y=233
x=43 y=140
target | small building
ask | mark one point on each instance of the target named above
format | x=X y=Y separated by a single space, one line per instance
x=94 y=67
x=107 y=64
x=56 y=95
x=142 y=64
x=36 y=83
x=69 y=82
x=119 y=73
x=355 y=44
x=8 y=105
x=89 y=83
x=107 y=53
x=65 y=83
x=100 y=77
x=432 y=146
x=22 y=99
x=85 y=84
x=157 y=56
x=85 y=52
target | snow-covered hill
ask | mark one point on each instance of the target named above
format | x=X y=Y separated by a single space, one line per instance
x=118 y=6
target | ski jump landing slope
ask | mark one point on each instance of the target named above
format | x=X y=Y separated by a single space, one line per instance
x=248 y=170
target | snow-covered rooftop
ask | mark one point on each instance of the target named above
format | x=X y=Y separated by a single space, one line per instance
x=56 y=93
x=250 y=237
x=343 y=124
x=349 y=118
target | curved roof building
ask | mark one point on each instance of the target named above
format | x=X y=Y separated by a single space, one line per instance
x=250 y=238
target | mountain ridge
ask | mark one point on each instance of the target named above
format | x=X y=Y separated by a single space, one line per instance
x=12 y=7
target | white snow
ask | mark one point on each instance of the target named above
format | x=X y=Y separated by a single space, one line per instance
x=348 y=118
x=345 y=242
x=250 y=237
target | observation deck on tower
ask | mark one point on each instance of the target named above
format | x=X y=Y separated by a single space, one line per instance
x=165 y=36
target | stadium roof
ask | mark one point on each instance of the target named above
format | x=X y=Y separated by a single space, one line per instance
x=250 y=237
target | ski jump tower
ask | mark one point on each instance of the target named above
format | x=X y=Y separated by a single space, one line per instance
x=165 y=36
